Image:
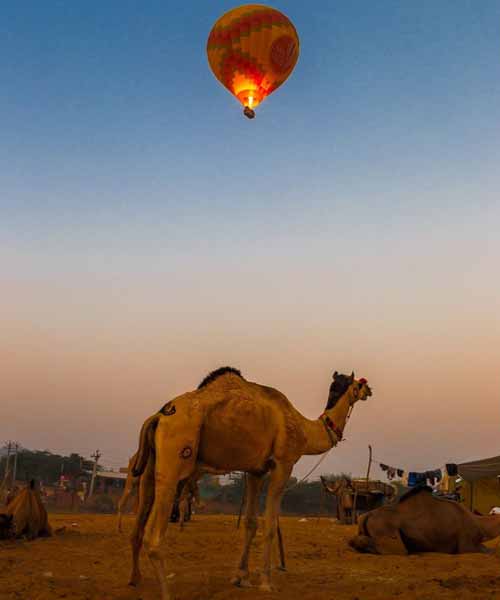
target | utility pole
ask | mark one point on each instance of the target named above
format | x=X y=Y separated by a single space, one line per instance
x=14 y=473
x=369 y=463
x=8 y=445
x=96 y=456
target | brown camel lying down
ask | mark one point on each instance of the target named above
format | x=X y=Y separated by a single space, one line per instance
x=421 y=522
x=28 y=514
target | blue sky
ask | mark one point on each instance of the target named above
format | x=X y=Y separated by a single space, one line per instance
x=119 y=96
x=136 y=197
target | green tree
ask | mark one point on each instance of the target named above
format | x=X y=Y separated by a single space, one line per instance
x=48 y=467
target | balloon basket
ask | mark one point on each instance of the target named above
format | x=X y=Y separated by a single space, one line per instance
x=248 y=112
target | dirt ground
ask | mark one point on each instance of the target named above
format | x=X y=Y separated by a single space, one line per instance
x=90 y=561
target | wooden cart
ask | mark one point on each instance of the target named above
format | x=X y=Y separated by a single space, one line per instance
x=357 y=496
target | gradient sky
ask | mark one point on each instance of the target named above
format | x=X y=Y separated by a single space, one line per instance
x=150 y=233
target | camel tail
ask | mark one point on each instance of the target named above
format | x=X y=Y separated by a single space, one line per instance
x=146 y=445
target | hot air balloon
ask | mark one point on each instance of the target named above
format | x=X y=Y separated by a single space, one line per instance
x=252 y=50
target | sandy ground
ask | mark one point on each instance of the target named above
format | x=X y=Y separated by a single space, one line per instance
x=91 y=561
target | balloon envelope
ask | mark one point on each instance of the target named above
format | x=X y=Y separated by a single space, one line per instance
x=252 y=50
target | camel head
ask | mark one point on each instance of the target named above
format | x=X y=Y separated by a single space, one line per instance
x=334 y=487
x=6 y=526
x=358 y=389
x=365 y=390
x=344 y=485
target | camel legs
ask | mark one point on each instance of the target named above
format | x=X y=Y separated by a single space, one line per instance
x=390 y=544
x=467 y=545
x=129 y=487
x=253 y=488
x=281 y=549
x=183 y=502
x=145 y=495
x=277 y=483
x=175 y=460
x=156 y=528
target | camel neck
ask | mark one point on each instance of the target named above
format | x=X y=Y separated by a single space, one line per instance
x=489 y=525
x=318 y=439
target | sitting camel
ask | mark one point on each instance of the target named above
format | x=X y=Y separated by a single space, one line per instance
x=230 y=424
x=11 y=494
x=421 y=522
x=28 y=514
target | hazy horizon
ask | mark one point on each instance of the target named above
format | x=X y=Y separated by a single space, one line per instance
x=150 y=233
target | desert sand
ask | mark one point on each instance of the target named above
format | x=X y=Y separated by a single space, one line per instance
x=90 y=561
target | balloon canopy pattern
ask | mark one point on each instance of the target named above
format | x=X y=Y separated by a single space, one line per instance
x=252 y=50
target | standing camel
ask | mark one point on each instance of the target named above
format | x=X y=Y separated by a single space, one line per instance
x=341 y=490
x=230 y=424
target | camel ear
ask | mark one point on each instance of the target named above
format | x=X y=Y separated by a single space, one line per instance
x=335 y=374
x=352 y=377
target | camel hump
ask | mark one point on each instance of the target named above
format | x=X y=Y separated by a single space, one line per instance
x=416 y=491
x=218 y=373
x=146 y=445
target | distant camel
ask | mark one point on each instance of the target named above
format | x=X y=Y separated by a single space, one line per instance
x=341 y=489
x=421 y=522
x=188 y=494
x=28 y=514
x=230 y=424
x=354 y=496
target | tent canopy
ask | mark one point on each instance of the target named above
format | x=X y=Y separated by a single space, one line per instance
x=487 y=468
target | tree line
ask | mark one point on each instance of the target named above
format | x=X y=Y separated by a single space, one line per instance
x=46 y=467
x=301 y=497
